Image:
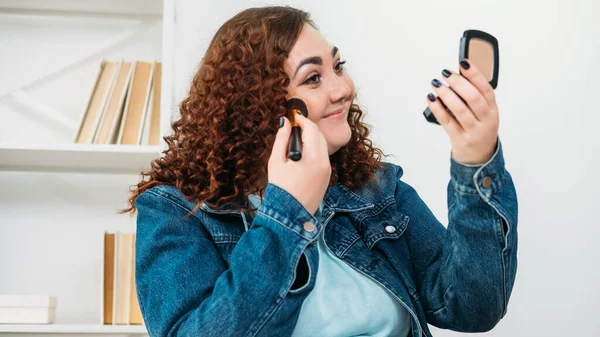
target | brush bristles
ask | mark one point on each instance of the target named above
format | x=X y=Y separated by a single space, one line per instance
x=295 y=104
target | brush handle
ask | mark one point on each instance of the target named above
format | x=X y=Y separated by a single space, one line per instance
x=431 y=118
x=295 y=148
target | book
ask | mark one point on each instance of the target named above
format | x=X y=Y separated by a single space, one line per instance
x=155 y=116
x=124 y=254
x=90 y=119
x=151 y=131
x=108 y=276
x=144 y=139
x=111 y=118
x=27 y=309
x=120 y=304
x=136 y=105
x=135 y=313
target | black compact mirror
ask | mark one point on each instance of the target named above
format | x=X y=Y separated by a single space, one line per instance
x=481 y=49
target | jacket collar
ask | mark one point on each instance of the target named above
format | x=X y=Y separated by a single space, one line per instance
x=337 y=198
x=340 y=198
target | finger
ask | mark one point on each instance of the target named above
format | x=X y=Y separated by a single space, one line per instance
x=469 y=94
x=479 y=81
x=459 y=109
x=310 y=133
x=449 y=123
x=282 y=138
x=324 y=146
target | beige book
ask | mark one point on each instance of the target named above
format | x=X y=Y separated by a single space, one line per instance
x=108 y=278
x=147 y=117
x=151 y=131
x=96 y=104
x=154 y=132
x=135 y=313
x=132 y=123
x=114 y=110
x=123 y=284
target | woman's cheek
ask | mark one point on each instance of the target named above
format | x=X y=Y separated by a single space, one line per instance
x=315 y=110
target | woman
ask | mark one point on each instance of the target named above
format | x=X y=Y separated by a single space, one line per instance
x=235 y=239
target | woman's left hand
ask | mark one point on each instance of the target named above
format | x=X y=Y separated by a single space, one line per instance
x=471 y=99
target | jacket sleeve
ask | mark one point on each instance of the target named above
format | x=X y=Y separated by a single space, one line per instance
x=185 y=288
x=465 y=272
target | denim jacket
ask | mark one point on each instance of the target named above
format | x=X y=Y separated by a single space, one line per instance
x=223 y=272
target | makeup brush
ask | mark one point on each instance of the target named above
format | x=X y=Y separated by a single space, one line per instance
x=295 y=105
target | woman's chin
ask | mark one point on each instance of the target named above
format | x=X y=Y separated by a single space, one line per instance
x=340 y=140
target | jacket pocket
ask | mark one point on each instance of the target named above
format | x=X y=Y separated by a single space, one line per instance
x=383 y=222
x=225 y=244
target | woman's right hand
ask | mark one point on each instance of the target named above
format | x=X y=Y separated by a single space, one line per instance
x=306 y=179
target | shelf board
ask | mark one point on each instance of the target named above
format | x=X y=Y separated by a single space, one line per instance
x=74 y=328
x=84 y=158
x=133 y=7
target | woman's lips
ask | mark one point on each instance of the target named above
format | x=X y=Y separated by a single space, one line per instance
x=336 y=114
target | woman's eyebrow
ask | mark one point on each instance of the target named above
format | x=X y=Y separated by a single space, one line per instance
x=314 y=60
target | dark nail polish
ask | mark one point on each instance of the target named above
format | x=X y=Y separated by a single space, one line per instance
x=465 y=64
x=431 y=97
x=281 y=122
x=436 y=83
x=446 y=73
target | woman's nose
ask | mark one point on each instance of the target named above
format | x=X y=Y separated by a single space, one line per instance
x=340 y=90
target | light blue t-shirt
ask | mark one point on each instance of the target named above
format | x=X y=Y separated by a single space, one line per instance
x=345 y=302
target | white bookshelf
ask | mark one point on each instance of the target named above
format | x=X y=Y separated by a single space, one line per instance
x=57 y=197
x=91 y=158
x=74 y=329
x=59 y=153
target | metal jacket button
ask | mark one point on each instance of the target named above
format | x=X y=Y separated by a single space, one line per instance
x=487 y=182
x=390 y=229
x=309 y=226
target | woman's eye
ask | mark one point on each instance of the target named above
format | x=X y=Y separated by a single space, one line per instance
x=312 y=79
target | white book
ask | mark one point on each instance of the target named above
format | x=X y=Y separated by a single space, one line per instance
x=30 y=315
x=9 y=300
x=27 y=309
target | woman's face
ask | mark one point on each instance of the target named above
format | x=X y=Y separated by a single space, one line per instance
x=317 y=77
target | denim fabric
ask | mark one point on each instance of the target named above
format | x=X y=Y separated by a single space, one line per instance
x=226 y=273
x=345 y=302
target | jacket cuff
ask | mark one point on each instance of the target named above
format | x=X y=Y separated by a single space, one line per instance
x=281 y=206
x=484 y=179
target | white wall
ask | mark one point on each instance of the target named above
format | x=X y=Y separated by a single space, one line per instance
x=549 y=117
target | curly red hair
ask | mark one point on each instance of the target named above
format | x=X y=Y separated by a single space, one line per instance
x=223 y=140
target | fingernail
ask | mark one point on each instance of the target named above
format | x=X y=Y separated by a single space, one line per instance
x=436 y=83
x=281 y=121
x=465 y=64
x=431 y=97
x=446 y=73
